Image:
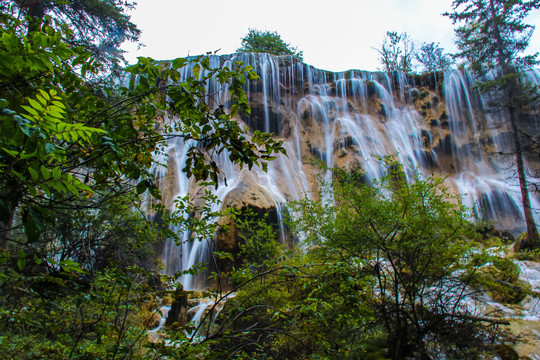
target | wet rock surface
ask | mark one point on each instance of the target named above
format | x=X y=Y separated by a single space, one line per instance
x=436 y=123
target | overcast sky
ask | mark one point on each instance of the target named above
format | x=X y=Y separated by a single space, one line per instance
x=334 y=35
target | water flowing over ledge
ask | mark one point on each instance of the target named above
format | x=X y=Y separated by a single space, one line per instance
x=436 y=123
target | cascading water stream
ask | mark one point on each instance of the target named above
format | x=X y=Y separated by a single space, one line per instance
x=486 y=180
x=343 y=119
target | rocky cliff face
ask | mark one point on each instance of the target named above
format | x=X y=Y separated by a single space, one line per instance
x=434 y=123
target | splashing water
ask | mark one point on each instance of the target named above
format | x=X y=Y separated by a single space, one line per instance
x=343 y=119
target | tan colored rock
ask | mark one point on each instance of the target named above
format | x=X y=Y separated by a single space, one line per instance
x=525 y=333
x=247 y=194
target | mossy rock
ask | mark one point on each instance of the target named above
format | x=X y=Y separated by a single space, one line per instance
x=376 y=347
x=501 y=281
x=493 y=241
x=488 y=236
x=167 y=301
x=149 y=303
x=531 y=254
x=506 y=352
x=507 y=237
x=519 y=239
x=148 y=319
x=435 y=123
x=414 y=93
x=424 y=94
x=485 y=229
x=194 y=294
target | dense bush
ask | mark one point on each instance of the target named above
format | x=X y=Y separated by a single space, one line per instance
x=268 y=42
x=388 y=271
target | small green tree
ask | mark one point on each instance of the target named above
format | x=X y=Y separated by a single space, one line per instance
x=70 y=314
x=433 y=58
x=268 y=42
x=387 y=271
x=65 y=138
x=76 y=158
x=396 y=52
x=258 y=241
x=492 y=37
x=409 y=245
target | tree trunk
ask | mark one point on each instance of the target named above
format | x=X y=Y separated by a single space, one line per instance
x=514 y=92
x=399 y=346
x=513 y=89
x=9 y=200
x=532 y=233
x=36 y=10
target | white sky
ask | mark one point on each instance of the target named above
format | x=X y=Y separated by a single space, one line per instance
x=334 y=35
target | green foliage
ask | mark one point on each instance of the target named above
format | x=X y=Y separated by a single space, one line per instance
x=500 y=280
x=433 y=58
x=531 y=255
x=113 y=236
x=55 y=315
x=493 y=33
x=491 y=39
x=296 y=309
x=42 y=139
x=258 y=240
x=268 y=42
x=98 y=26
x=76 y=156
x=415 y=253
x=396 y=52
x=61 y=145
x=387 y=272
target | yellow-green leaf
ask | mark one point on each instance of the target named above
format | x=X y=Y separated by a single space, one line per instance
x=41 y=100
x=32 y=112
x=196 y=71
x=45 y=94
x=73 y=189
x=36 y=105
x=59 y=104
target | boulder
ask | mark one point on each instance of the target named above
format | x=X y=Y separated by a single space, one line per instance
x=177 y=315
x=246 y=195
x=507 y=237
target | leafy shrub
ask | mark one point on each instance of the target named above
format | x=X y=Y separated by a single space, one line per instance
x=268 y=42
x=500 y=280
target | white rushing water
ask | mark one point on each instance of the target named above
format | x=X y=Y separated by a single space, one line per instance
x=153 y=335
x=343 y=119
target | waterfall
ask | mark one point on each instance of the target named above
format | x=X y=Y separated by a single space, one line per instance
x=437 y=125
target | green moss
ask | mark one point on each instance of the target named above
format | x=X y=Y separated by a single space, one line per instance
x=530 y=255
x=526 y=254
x=490 y=242
x=501 y=281
x=375 y=347
x=506 y=352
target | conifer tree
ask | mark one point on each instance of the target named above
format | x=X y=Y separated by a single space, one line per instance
x=99 y=26
x=492 y=37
